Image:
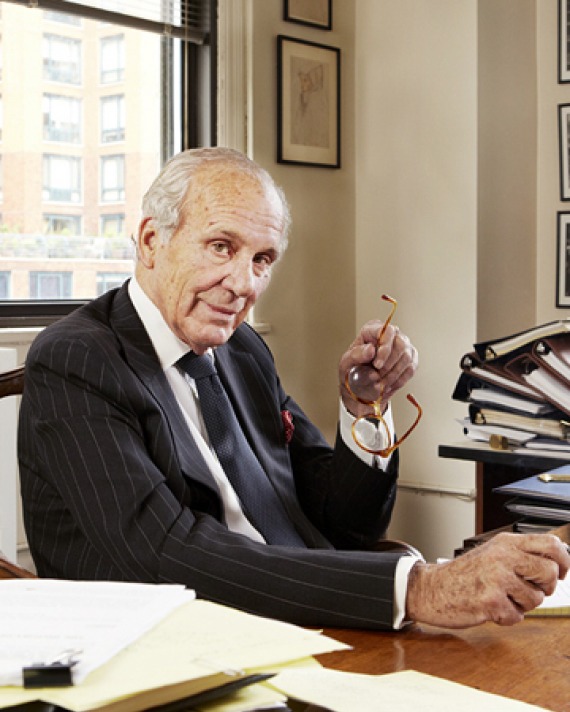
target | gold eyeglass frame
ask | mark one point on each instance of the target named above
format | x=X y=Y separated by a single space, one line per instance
x=376 y=404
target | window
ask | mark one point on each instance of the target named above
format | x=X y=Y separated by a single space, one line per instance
x=62 y=17
x=113 y=225
x=5 y=285
x=62 y=118
x=62 y=59
x=112 y=118
x=110 y=280
x=119 y=94
x=62 y=225
x=50 y=285
x=112 y=179
x=62 y=179
x=112 y=59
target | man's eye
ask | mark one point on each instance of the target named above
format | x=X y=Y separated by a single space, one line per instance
x=264 y=260
x=221 y=248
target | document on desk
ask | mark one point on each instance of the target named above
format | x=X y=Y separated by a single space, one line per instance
x=43 y=620
x=199 y=646
x=405 y=691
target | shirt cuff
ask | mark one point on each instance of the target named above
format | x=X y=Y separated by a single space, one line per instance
x=346 y=420
x=403 y=568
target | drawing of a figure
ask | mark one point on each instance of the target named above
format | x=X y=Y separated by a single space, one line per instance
x=309 y=103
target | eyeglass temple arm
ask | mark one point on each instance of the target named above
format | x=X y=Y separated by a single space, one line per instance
x=399 y=441
x=394 y=303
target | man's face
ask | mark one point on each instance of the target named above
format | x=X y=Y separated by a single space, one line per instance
x=218 y=261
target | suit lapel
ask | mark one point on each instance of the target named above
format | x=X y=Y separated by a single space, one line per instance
x=260 y=418
x=141 y=357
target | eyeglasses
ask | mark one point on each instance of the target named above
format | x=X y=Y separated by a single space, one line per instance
x=371 y=432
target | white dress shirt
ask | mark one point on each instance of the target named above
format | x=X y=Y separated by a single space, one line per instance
x=169 y=349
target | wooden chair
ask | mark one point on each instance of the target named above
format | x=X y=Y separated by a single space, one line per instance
x=12 y=384
x=9 y=570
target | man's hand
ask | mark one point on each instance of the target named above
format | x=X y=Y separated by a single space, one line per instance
x=498 y=581
x=389 y=365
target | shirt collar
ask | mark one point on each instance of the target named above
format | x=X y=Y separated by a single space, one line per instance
x=169 y=348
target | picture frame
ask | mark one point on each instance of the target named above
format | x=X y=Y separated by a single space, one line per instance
x=308 y=103
x=563 y=261
x=314 y=13
x=563 y=42
x=564 y=149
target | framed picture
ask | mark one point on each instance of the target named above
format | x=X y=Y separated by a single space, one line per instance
x=308 y=103
x=563 y=261
x=315 y=13
x=564 y=148
x=563 y=42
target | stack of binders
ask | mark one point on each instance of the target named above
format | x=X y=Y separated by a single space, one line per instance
x=518 y=390
x=541 y=502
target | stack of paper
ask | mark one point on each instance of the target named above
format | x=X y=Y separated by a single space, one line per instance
x=518 y=390
x=197 y=646
x=406 y=691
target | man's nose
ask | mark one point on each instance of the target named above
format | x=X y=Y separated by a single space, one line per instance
x=241 y=279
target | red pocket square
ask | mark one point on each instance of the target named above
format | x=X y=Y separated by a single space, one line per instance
x=287 y=419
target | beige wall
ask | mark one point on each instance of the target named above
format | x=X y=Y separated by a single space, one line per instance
x=507 y=168
x=310 y=306
x=416 y=188
x=399 y=217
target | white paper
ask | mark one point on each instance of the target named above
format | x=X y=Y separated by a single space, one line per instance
x=406 y=691
x=40 y=619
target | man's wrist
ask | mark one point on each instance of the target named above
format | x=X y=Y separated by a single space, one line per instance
x=415 y=592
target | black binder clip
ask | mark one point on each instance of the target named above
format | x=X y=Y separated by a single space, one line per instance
x=55 y=673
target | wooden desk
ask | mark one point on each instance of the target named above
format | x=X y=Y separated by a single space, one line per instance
x=495 y=468
x=529 y=661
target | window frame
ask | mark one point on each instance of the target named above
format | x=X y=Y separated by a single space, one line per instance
x=197 y=126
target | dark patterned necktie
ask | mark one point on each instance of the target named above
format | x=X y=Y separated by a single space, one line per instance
x=258 y=498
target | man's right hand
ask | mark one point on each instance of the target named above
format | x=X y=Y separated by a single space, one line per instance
x=498 y=581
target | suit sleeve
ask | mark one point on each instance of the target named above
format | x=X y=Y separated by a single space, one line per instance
x=103 y=501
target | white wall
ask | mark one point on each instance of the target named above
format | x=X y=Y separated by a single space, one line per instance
x=310 y=305
x=8 y=465
x=416 y=227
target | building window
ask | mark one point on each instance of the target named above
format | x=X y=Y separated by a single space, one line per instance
x=62 y=179
x=66 y=198
x=62 y=17
x=62 y=225
x=50 y=285
x=62 y=59
x=113 y=118
x=112 y=59
x=62 y=118
x=5 y=278
x=113 y=225
x=112 y=179
x=110 y=280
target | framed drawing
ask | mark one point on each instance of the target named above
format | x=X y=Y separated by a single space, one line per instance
x=315 y=13
x=563 y=261
x=564 y=149
x=308 y=103
x=563 y=42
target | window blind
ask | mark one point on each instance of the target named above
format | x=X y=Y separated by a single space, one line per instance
x=184 y=19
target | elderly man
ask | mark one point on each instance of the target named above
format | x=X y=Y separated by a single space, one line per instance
x=157 y=443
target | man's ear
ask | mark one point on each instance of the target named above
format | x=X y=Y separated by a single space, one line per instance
x=147 y=242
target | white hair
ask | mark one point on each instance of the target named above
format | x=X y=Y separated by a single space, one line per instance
x=164 y=199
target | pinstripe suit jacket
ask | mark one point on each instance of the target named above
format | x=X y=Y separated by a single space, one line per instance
x=114 y=487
